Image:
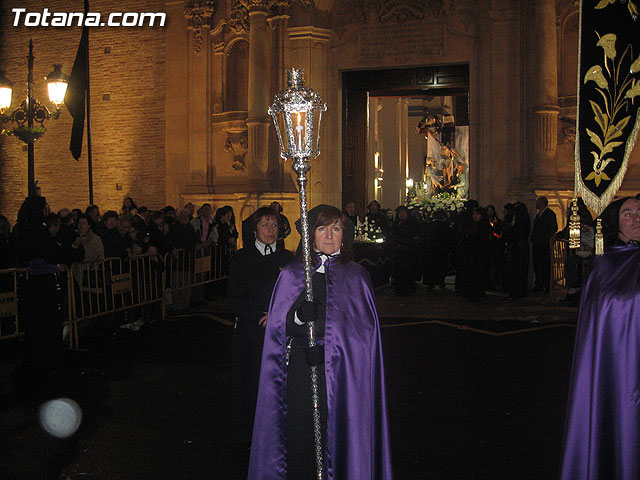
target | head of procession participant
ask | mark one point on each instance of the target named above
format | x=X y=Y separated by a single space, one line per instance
x=265 y=226
x=629 y=221
x=328 y=225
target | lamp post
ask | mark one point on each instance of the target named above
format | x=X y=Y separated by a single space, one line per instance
x=31 y=111
x=296 y=113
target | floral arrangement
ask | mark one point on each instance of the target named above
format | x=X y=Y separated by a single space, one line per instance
x=368 y=232
x=26 y=134
x=446 y=202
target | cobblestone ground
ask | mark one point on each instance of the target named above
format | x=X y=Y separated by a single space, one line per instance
x=475 y=391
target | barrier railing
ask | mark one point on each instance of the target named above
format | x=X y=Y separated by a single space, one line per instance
x=13 y=285
x=559 y=253
x=93 y=289
x=190 y=268
x=116 y=284
x=10 y=282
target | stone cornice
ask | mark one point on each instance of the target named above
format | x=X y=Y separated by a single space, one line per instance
x=199 y=14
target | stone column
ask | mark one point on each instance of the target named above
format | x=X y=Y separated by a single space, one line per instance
x=218 y=66
x=199 y=16
x=545 y=91
x=279 y=42
x=310 y=51
x=259 y=101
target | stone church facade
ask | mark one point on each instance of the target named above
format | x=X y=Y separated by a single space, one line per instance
x=179 y=113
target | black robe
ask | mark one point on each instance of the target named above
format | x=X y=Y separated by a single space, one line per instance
x=251 y=281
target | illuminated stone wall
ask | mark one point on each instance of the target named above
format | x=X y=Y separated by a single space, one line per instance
x=127 y=102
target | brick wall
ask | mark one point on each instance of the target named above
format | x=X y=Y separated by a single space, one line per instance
x=128 y=129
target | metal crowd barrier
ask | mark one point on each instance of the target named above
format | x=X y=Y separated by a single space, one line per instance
x=191 y=268
x=93 y=289
x=114 y=285
x=10 y=281
x=559 y=253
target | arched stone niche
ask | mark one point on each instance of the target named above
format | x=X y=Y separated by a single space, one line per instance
x=236 y=75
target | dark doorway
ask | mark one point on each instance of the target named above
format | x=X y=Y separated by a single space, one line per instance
x=358 y=86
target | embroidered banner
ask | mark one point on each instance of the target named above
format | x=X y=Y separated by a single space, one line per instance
x=608 y=98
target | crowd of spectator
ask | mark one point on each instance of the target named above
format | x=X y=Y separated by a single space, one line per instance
x=69 y=236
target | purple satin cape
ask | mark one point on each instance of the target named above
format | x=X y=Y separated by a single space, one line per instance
x=602 y=435
x=357 y=443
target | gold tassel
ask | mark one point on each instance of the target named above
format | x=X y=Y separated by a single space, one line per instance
x=599 y=237
x=574 y=225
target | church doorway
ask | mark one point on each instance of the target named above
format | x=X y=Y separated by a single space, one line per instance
x=383 y=154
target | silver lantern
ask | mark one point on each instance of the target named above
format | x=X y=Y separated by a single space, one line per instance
x=296 y=113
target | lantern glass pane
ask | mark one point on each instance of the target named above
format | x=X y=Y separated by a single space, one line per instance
x=57 y=91
x=5 y=97
x=317 y=132
x=299 y=123
x=279 y=119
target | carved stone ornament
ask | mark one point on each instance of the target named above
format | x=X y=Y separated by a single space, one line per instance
x=199 y=13
x=568 y=130
x=239 y=18
x=238 y=145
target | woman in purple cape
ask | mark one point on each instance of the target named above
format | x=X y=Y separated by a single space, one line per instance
x=353 y=410
x=602 y=435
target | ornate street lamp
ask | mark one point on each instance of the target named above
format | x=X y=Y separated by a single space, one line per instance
x=30 y=111
x=296 y=113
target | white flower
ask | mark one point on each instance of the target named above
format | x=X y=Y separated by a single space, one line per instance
x=453 y=207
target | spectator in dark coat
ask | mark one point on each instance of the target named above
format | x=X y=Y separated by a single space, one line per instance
x=181 y=232
x=350 y=211
x=284 y=229
x=158 y=231
x=545 y=225
x=516 y=236
x=8 y=247
x=117 y=242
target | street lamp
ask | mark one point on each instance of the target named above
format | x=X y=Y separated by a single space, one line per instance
x=296 y=113
x=30 y=111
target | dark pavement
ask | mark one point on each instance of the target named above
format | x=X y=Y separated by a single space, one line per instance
x=469 y=398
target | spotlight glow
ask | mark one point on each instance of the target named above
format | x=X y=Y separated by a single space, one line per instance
x=60 y=417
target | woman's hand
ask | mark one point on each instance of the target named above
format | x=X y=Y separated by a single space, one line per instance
x=263 y=321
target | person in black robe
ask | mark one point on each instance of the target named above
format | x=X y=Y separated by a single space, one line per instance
x=437 y=239
x=477 y=246
x=404 y=234
x=254 y=271
x=545 y=225
x=375 y=217
x=516 y=234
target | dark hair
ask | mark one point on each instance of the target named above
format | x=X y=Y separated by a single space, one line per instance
x=328 y=216
x=133 y=204
x=5 y=228
x=168 y=209
x=52 y=220
x=261 y=213
x=90 y=209
x=544 y=201
x=371 y=203
x=87 y=217
x=109 y=214
x=77 y=211
x=279 y=207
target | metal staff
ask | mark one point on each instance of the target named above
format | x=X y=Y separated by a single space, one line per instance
x=296 y=113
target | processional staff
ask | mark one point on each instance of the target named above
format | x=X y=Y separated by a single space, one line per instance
x=296 y=113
